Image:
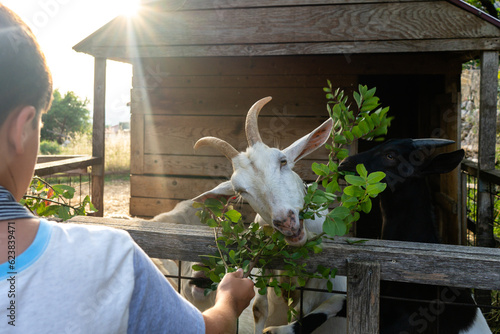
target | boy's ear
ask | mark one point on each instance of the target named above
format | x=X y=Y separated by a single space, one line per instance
x=21 y=128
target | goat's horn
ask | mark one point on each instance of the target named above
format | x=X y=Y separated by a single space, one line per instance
x=432 y=142
x=251 y=125
x=223 y=146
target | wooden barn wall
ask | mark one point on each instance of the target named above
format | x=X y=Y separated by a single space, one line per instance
x=176 y=101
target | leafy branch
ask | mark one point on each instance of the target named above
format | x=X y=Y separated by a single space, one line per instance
x=46 y=200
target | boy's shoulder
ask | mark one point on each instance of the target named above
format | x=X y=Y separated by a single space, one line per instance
x=89 y=234
x=82 y=240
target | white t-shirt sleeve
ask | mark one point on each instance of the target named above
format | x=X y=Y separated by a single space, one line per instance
x=155 y=307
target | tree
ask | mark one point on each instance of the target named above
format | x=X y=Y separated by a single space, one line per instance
x=68 y=114
x=486 y=5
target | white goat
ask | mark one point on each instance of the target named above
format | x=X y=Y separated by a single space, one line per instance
x=263 y=176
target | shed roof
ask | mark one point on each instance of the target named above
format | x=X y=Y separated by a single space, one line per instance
x=195 y=28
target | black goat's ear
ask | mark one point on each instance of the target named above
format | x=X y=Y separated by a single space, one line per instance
x=443 y=163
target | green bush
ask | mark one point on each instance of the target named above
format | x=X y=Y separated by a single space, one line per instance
x=49 y=147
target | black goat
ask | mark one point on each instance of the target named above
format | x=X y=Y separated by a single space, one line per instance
x=407 y=215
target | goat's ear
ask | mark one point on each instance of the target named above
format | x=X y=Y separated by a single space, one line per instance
x=444 y=163
x=225 y=189
x=310 y=142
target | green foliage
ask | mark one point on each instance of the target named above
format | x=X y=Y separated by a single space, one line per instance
x=255 y=247
x=487 y=6
x=258 y=247
x=67 y=115
x=365 y=121
x=49 y=147
x=47 y=200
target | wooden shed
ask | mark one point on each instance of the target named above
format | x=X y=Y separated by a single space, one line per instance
x=199 y=65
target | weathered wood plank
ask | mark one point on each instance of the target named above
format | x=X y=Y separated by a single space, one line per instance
x=277 y=66
x=166 y=79
x=98 y=134
x=170 y=187
x=59 y=166
x=178 y=134
x=471 y=168
x=363 y=294
x=348 y=49
x=175 y=5
x=208 y=166
x=399 y=261
x=230 y=101
x=486 y=155
x=303 y=24
x=49 y=158
x=137 y=143
x=486 y=146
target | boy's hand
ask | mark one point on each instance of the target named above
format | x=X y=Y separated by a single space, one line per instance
x=236 y=291
x=233 y=296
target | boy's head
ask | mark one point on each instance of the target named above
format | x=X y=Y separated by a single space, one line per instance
x=25 y=79
x=25 y=92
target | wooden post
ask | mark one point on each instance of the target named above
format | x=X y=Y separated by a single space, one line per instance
x=98 y=134
x=363 y=297
x=486 y=155
x=487 y=139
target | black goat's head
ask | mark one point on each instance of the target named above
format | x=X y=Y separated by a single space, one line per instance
x=401 y=159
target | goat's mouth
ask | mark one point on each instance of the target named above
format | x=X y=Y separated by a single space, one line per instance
x=298 y=238
x=200 y=280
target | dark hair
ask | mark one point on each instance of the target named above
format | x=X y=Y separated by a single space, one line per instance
x=25 y=79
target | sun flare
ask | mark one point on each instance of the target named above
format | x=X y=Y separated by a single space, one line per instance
x=129 y=7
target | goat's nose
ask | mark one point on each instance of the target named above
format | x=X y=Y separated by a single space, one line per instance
x=288 y=225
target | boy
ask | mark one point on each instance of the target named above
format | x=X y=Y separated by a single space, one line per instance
x=64 y=278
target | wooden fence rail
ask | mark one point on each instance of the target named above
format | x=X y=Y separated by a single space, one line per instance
x=364 y=264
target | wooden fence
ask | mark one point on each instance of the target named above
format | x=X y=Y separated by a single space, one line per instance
x=364 y=264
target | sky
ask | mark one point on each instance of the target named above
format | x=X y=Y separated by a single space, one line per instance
x=58 y=26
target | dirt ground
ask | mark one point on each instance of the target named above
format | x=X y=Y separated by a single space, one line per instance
x=116 y=198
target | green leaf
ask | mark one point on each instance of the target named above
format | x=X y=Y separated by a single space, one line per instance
x=370 y=93
x=213 y=203
x=329 y=286
x=233 y=215
x=319 y=199
x=364 y=127
x=361 y=171
x=357 y=98
x=357 y=132
x=339 y=212
x=366 y=205
x=332 y=187
x=320 y=169
x=339 y=139
x=355 y=191
x=375 y=177
x=375 y=189
x=64 y=213
x=355 y=180
x=313 y=187
x=334 y=227
x=212 y=223
x=214 y=277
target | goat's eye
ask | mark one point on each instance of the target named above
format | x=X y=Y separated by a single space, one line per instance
x=389 y=156
x=283 y=162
